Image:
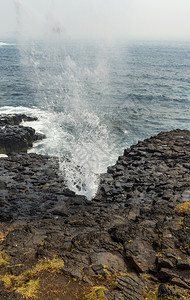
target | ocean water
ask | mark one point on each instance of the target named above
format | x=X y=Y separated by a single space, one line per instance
x=94 y=99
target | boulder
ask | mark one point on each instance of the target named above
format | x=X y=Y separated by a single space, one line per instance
x=132 y=287
x=15 y=138
x=15 y=119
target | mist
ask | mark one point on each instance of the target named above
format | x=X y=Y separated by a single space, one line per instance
x=100 y=18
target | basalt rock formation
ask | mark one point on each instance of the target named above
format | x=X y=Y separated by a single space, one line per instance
x=15 y=119
x=132 y=241
x=15 y=138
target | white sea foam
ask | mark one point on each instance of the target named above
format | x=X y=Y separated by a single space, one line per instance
x=3 y=155
x=79 y=140
x=6 y=44
x=18 y=110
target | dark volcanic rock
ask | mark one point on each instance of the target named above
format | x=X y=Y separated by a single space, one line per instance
x=15 y=119
x=165 y=292
x=152 y=170
x=132 y=286
x=129 y=238
x=15 y=138
x=31 y=187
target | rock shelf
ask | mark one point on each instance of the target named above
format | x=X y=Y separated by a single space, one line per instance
x=132 y=241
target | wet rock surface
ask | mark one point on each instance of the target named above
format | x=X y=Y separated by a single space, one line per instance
x=15 y=138
x=130 y=239
x=15 y=119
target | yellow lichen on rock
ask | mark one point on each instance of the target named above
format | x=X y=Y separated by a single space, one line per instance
x=2 y=237
x=97 y=293
x=4 y=258
x=28 y=283
x=183 y=209
x=29 y=289
x=49 y=265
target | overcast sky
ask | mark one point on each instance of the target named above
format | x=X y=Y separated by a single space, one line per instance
x=109 y=18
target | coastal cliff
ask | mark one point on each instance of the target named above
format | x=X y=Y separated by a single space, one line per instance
x=132 y=241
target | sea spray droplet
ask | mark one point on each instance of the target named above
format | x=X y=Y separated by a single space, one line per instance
x=74 y=131
x=87 y=154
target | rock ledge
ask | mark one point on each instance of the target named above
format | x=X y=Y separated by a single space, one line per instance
x=130 y=242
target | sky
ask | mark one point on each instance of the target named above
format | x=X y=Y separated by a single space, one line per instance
x=145 y=19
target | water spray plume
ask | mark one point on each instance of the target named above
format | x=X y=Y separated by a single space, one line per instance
x=63 y=82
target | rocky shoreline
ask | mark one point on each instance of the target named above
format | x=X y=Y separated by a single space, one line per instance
x=15 y=138
x=132 y=241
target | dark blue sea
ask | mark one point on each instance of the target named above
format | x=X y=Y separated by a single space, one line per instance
x=93 y=98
